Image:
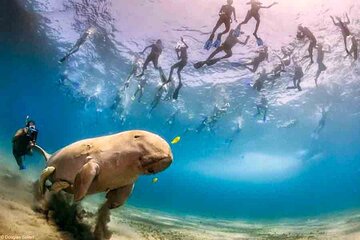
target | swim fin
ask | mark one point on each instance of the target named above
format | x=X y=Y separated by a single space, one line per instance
x=212 y=61
x=237 y=31
x=259 y=41
x=208 y=44
x=217 y=43
x=199 y=64
x=236 y=64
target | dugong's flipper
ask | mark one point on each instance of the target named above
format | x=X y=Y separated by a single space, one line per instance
x=84 y=179
x=60 y=185
x=44 y=176
x=117 y=197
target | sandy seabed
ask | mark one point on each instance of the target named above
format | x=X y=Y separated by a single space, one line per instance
x=19 y=221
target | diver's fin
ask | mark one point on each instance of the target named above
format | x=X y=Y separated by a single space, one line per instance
x=44 y=176
x=118 y=196
x=199 y=64
x=217 y=43
x=208 y=44
x=237 y=64
x=212 y=61
x=84 y=179
x=259 y=41
x=46 y=155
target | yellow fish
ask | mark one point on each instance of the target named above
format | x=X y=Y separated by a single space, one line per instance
x=155 y=180
x=175 y=140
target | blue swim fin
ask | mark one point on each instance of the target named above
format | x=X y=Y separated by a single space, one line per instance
x=237 y=31
x=259 y=41
x=217 y=43
x=208 y=44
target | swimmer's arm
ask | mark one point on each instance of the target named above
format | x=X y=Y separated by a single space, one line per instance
x=333 y=20
x=182 y=40
x=348 y=20
x=150 y=46
x=274 y=3
x=234 y=14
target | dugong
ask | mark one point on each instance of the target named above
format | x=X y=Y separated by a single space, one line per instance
x=108 y=164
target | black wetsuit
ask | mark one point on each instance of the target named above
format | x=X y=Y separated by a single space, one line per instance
x=21 y=144
x=153 y=56
x=225 y=18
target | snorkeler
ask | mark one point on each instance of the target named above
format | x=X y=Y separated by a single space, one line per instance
x=183 y=57
x=226 y=47
x=354 y=48
x=78 y=43
x=259 y=83
x=262 y=108
x=285 y=60
x=134 y=69
x=320 y=58
x=211 y=120
x=298 y=75
x=305 y=32
x=344 y=28
x=156 y=50
x=224 y=18
x=23 y=141
x=139 y=90
x=237 y=131
x=253 y=13
x=321 y=124
x=160 y=91
x=263 y=55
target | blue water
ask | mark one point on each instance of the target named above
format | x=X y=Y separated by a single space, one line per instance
x=267 y=173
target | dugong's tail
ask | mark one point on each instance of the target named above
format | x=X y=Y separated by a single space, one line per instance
x=42 y=152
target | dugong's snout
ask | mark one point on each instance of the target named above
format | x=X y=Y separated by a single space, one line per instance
x=158 y=165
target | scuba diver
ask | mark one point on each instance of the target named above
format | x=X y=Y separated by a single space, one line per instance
x=23 y=141
x=156 y=50
x=78 y=43
x=226 y=47
x=263 y=55
x=305 y=32
x=224 y=18
x=253 y=13
x=211 y=120
x=344 y=28
x=298 y=75
x=320 y=58
x=262 y=108
x=183 y=57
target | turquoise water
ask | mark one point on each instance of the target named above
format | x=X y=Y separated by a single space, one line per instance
x=268 y=172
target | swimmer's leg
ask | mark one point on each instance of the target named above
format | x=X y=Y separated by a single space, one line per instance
x=19 y=161
x=246 y=20
x=218 y=24
x=257 y=18
x=213 y=54
x=227 y=28
x=177 y=90
x=345 y=43
x=146 y=63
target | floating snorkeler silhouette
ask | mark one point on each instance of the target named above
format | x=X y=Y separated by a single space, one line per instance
x=255 y=63
x=226 y=47
x=224 y=18
x=354 y=48
x=156 y=50
x=262 y=108
x=134 y=69
x=320 y=58
x=78 y=43
x=210 y=121
x=305 y=32
x=298 y=75
x=254 y=13
x=344 y=28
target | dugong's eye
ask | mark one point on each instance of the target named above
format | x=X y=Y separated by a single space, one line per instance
x=136 y=136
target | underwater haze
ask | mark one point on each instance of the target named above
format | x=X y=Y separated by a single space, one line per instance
x=276 y=169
